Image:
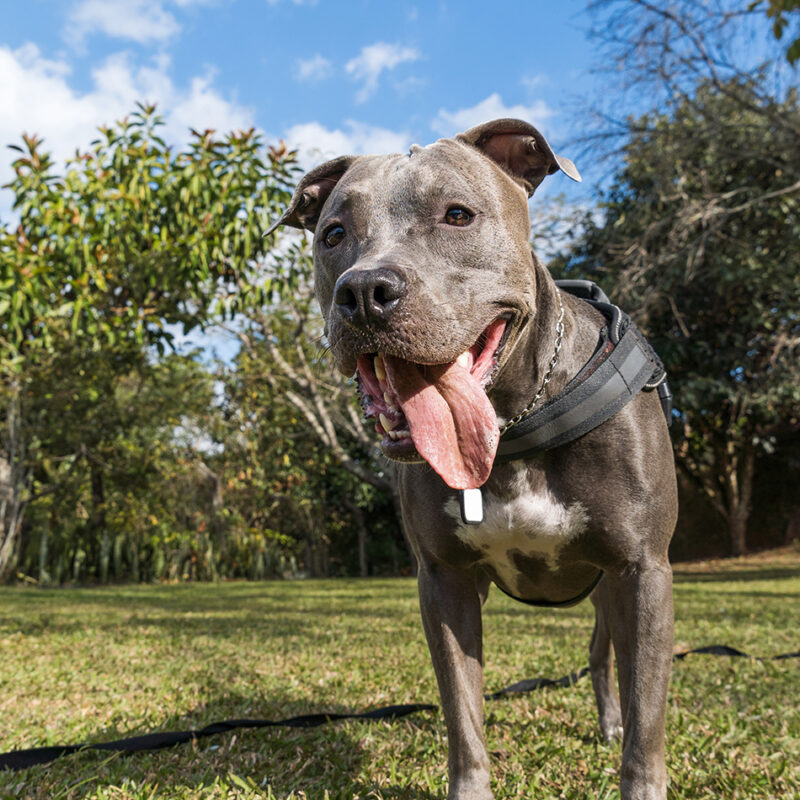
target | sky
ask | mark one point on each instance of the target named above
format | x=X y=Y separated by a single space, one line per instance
x=328 y=76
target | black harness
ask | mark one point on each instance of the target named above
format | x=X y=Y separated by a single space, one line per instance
x=622 y=365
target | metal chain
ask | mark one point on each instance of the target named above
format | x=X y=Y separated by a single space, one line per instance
x=547 y=376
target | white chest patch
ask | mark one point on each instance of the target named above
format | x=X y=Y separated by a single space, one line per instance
x=527 y=524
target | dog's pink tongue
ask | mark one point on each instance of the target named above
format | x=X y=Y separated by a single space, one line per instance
x=452 y=422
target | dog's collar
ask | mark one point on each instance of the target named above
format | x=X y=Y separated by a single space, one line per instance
x=622 y=365
x=548 y=376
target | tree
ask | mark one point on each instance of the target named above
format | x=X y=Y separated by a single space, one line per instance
x=653 y=54
x=781 y=12
x=285 y=380
x=133 y=238
x=119 y=488
x=700 y=234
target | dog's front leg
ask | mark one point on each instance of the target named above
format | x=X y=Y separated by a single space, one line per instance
x=638 y=605
x=450 y=603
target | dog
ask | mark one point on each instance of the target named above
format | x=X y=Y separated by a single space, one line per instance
x=456 y=332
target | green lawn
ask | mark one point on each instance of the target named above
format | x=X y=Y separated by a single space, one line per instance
x=97 y=664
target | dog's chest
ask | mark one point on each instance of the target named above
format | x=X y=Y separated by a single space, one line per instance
x=521 y=524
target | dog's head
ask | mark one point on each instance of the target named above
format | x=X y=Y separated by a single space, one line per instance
x=423 y=272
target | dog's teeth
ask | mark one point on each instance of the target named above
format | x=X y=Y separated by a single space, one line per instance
x=403 y=434
x=389 y=400
x=380 y=369
x=463 y=360
x=393 y=435
x=388 y=425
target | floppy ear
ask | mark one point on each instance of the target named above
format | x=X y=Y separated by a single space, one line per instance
x=520 y=150
x=311 y=194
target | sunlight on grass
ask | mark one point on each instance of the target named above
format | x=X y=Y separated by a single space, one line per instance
x=98 y=664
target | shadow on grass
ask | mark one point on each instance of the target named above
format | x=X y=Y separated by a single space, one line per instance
x=746 y=574
x=334 y=757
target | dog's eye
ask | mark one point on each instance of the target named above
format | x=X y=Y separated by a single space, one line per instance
x=334 y=235
x=458 y=216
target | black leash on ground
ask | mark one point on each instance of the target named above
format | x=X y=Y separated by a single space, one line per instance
x=22 y=759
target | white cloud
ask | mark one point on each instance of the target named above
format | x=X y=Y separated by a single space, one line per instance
x=448 y=123
x=36 y=97
x=316 y=143
x=201 y=106
x=375 y=59
x=315 y=68
x=410 y=85
x=139 y=20
x=534 y=81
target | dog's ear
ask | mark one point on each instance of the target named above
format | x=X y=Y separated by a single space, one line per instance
x=311 y=194
x=520 y=149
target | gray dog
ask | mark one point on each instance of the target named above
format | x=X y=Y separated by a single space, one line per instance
x=432 y=296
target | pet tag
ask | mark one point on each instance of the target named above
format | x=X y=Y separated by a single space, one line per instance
x=471 y=502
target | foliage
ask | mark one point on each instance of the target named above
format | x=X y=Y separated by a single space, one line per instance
x=780 y=11
x=296 y=423
x=653 y=54
x=699 y=234
x=130 y=462
x=120 y=460
x=135 y=237
x=123 y=490
x=180 y=657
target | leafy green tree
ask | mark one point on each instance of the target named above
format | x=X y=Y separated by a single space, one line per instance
x=699 y=234
x=121 y=490
x=134 y=237
x=301 y=417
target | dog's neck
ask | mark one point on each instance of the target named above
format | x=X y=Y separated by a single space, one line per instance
x=529 y=369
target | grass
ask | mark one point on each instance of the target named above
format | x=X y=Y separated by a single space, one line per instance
x=98 y=664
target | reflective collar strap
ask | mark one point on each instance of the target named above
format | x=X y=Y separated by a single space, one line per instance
x=610 y=379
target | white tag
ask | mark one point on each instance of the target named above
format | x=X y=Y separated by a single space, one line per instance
x=471 y=502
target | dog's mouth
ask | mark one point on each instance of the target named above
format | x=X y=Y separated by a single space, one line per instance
x=440 y=412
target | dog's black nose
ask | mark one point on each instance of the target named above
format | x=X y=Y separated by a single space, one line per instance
x=365 y=296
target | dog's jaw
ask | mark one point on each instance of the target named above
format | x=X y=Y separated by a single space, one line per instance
x=437 y=412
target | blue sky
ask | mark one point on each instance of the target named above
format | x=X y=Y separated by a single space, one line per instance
x=330 y=77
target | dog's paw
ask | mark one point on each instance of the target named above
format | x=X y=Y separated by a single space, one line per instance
x=612 y=732
x=471 y=787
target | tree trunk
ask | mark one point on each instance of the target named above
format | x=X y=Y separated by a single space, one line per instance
x=13 y=485
x=793 y=527
x=317 y=565
x=361 y=531
x=44 y=538
x=98 y=521
x=398 y=512
x=739 y=496
x=738 y=533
